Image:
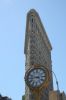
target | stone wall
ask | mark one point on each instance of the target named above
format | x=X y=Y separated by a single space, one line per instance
x=37 y=51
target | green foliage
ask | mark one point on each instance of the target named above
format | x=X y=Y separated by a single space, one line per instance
x=23 y=97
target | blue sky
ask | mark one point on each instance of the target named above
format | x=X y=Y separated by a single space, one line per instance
x=12 y=38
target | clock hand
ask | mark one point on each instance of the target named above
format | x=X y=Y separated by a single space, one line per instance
x=37 y=77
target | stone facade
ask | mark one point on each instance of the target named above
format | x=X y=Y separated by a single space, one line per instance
x=37 y=50
x=56 y=95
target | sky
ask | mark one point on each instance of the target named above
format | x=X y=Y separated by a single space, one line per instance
x=12 y=38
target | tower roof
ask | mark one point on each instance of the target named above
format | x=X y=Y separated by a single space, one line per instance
x=44 y=35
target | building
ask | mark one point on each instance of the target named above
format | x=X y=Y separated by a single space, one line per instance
x=37 y=48
x=38 y=52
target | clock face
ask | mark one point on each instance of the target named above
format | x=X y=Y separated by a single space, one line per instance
x=36 y=77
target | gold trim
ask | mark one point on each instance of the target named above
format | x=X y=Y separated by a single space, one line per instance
x=37 y=91
x=48 y=78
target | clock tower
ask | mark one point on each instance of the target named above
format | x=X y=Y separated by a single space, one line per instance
x=38 y=64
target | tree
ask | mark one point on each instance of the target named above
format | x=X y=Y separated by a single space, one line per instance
x=23 y=97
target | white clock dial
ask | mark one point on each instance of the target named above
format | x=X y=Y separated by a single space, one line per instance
x=36 y=77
